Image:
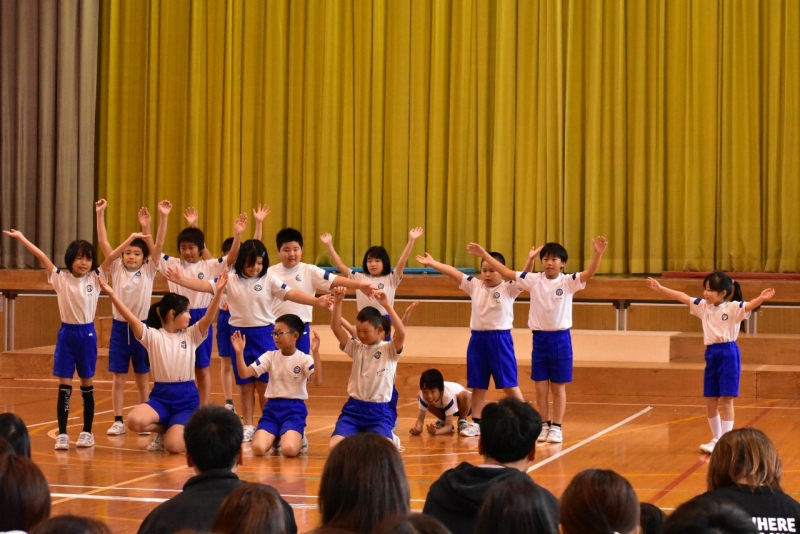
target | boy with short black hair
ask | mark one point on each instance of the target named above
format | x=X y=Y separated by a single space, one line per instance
x=443 y=400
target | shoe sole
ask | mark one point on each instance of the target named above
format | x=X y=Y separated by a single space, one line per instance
x=84 y=445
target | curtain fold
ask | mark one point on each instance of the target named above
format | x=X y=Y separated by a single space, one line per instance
x=672 y=127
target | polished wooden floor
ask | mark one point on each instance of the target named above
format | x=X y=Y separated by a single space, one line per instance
x=651 y=441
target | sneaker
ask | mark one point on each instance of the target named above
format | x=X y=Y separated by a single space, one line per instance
x=229 y=406
x=471 y=430
x=62 y=442
x=543 y=434
x=708 y=448
x=396 y=440
x=157 y=444
x=116 y=429
x=86 y=439
x=249 y=430
x=462 y=424
x=144 y=433
x=304 y=445
x=276 y=445
x=555 y=435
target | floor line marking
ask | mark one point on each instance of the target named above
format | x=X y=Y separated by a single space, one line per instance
x=588 y=440
x=78 y=417
x=113 y=486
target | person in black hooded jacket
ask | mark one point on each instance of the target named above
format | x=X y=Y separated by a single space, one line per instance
x=509 y=430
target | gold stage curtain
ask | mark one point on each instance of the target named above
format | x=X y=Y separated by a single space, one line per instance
x=672 y=127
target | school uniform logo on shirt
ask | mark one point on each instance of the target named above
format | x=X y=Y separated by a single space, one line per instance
x=559 y=292
x=183 y=344
x=201 y=276
x=258 y=287
x=378 y=355
x=89 y=288
x=138 y=273
x=297 y=370
x=298 y=278
x=724 y=316
x=380 y=286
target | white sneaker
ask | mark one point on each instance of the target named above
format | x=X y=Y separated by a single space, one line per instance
x=304 y=445
x=472 y=429
x=249 y=430
x=62 y=442
x=396 y=440
x=86 y=439
x=555 y=435
x=708 y=448
x=157 y=444
x=116 y=429
x=462 y=424
x=543 y=434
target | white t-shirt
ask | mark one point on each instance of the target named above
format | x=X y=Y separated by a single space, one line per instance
x=551 y=300
x=288 y=375
x=77 y=297
x=492 y=307
x=172 y=355
x=447 y=400
x=202 y=270
x=134 y=288
x=720 y=323
x=388 y=284
x=305 y=277
x=251 y=300
x=374 y=367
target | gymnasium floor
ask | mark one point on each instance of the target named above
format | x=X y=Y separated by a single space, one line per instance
x=651 y=441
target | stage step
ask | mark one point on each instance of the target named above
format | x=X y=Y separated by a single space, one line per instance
x=756 y=349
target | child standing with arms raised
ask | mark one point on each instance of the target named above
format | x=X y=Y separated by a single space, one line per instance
x=550 y=320
x=722 y=311
x=77 y=289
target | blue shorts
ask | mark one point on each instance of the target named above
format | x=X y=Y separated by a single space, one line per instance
x=259 y=340
x=280 y=415
x=202 y=356
x=551 y=358
x=362 y=416
x=174 y=402
x=76 y=350
x=124 y=348
x=490 y=353
x=304 y=341
x=723 y=369
x=224 y=347
x=393 y=405
x=389 y=332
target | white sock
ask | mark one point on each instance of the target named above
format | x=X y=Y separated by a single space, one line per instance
x=715 y=424
x=727 y=426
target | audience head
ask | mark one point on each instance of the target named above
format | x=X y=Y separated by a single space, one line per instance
x=14 y=431
x=363 y=481
x=599 y=501
x=250 y=508
x=71 y=524
x=24 y=493
x=509 y=430
x=213 y=437
x=516 y=504
x=707 y=516
x=410 y=524
x=747 y=457
x=651 y=517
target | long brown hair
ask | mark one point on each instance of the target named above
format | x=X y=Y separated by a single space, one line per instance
x=250 y=508
x=746 y=457
x=24 y=493
x=599 y=501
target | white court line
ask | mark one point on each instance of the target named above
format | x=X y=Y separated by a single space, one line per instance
x=107 y=497
x=588 y=440
x=79 y=417
x=116 y=488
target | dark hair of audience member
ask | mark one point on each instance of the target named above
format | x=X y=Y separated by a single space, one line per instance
x=24 y=493
x=250 y=508
x=651 y=517
x=599 y=501
x=410 y=524
x=516 y=505
x=363 y=481
x=13 y=429
x=745 y=457
x=509 y=430
x=707 y=516
x=213 y=437
x=71 y=524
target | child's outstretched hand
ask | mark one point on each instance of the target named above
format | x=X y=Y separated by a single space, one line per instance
x=173 y=274
x=767 y=293
x=415 y=233
x=325 y=301
x=100 y=205
x=164 y=207
x=144 y=217
x=238 y=341
x=381 y=297
x=260 y=213
x=191 y=215
x=599 y=244
x=366 y=288
x=535 y=252
x=476 y=250
x=326 y=238
x=653 y=284
x=415 y=430
x=409 y=310
x=16 y=234
x=139 y=235
x=431 y=427
x=314 y=341
x=426 y=260
x=104 y=286
x=222 y=280
x=240 y=224
x=338 y=294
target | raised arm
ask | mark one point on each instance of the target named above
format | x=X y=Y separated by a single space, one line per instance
x=102 y=234
x=528 y=268
x=33 y=249
x=205 y=321
x=363 y=286
x=478 y=251
x=409 y=311
x=295 y=295
x=164 y=208
x=136 y=324
x=667 y=292
x=327 y=239
x=238 y=342
x=238 y=228
x=143 y=215
x=428 y=261
x=317 y=376
x=336 y=317
x=192 y=215
x=599 y=244
x=756 y=302
x=259 y=214
x=399 y=335
x=117 y=251
x=174 y=275
x=413 y=235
